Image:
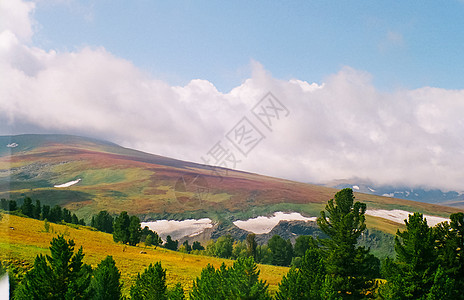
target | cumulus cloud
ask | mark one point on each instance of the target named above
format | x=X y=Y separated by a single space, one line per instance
x=341 y=128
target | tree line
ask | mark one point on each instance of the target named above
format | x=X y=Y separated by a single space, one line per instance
x=429 y=263
x=54 y=214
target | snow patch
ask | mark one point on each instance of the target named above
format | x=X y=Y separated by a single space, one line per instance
x=398 y=216
x=389 y=195
x=67 y=184
x=260 y=225
x=178 y=229
x=355 y=187
x=12 y=145
x=371 y=189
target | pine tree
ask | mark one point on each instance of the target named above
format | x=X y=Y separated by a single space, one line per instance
x=307 y=282
x=282 y=251
x=251 y=245
x=37 y=210
x=121 y=228
x=27 y=208
x=151 y=284
x=103 y=221
x=170 y=244
x=45 y=212
x=62 y=275
x=241 y=281
x=352 y=269
x=177 y=293
x=105 y=283
x=412 y=275
x=197 y=246
x=135 y=232
x=450 y=248
x=56 y=214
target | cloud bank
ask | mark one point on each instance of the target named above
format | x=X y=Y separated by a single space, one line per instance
x=341 y=128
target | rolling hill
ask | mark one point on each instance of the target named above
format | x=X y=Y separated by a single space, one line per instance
x=87 y=175
x=21 y=239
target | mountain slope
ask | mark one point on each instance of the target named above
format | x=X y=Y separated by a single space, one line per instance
x=97 y=175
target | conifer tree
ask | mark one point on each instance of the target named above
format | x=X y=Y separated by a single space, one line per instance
x=27 y=208
x=352 y=269
x=177 y=293
x=62 y=275
x=121 y=228
x=106 y=280
x=103 y=221
x=241 y=281
x=37 y=210
x=170 y=244
x=282 y=251
x=135 y=232
x=151 y=284
x=251 y=245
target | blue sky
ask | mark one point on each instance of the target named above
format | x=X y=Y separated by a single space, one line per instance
x=373 y=88
x=402 y=44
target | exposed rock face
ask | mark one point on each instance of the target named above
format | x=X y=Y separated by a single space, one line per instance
x=286 y=229
x=291 y=230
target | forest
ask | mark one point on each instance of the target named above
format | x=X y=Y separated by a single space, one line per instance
x=427 y=263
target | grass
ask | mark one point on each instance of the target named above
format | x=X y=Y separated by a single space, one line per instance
x=28 y=239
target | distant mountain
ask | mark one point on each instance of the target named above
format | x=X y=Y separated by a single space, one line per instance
x=449 y=198
x=87 y=175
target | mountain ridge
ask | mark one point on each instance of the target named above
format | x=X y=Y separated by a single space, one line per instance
x=114 y=178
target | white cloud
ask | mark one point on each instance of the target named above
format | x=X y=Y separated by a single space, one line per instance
x=16 y=18
x=342 y=128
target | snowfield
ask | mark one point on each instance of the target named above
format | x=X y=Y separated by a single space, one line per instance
x=399 y=216
x=262 y=224
x=178 y=229
x=67 y=184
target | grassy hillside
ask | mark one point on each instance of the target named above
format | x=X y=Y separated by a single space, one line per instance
x=116 y=179
x=28 y=238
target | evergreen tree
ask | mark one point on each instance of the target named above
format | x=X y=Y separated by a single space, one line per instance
x=121 y=228
x=62 y=275
x=2 y=270
x=187 y=247
x=412 y=275
x=170 y=244
x=176 y=293
x=151 y=284
x=27 y=208
x=4 y=204
x=135 y=231
x=224 y=246
x=251 y=245
x=197 y=246
x=105 y=283
x=450 y=248
x=351 y=269
x=244 y=280
x=307 y=282
x=303 y=243
x=66 y=216
x=74 y=219
x=37 y=210
x=103 y=221
x=241 y=281
x=55 y=214
x=45 y=212
x=12 y=205
x=443 y=287
x=282 y=251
